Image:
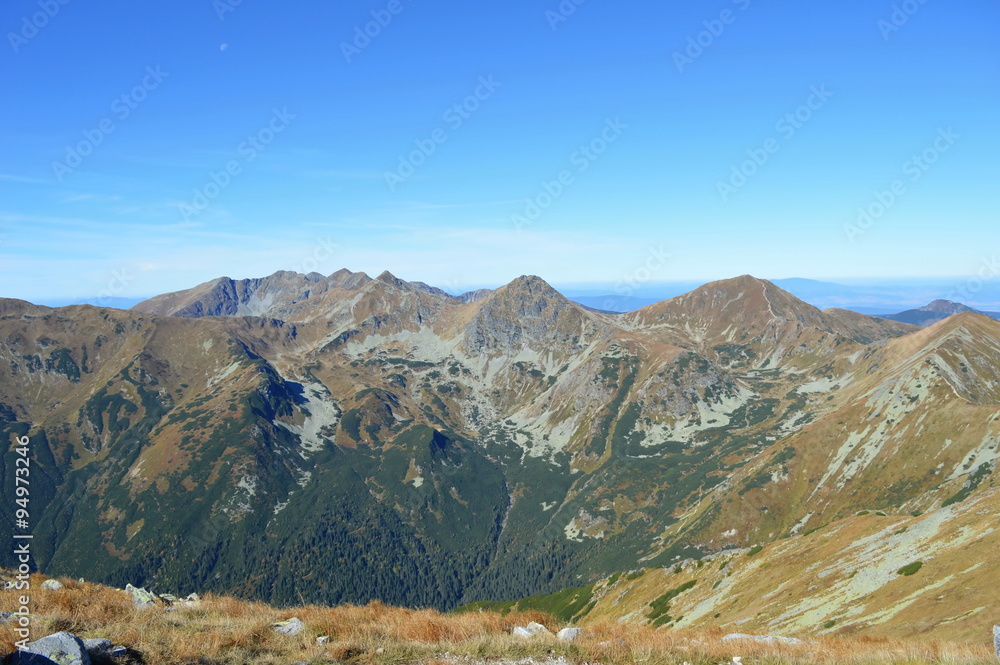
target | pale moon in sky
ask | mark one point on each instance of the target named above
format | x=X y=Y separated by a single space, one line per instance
x=223 y=47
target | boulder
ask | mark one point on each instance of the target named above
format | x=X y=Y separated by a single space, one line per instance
x=531 y=630
x=569 y=634
x=763 y=639
x=538 y=629
x=996 y=640
x=59 y=648
x=140 y=597
x=98 y=646
x=189 y=601
x=292 y=626
x=324 y=639
x=52 y=585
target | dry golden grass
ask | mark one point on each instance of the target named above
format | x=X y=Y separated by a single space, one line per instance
x=226 y=631
x=7 y=639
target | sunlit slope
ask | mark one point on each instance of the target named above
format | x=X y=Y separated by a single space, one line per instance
x=426 y=450
x=929 y=577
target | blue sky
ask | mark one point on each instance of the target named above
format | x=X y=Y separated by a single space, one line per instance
x=245 y=137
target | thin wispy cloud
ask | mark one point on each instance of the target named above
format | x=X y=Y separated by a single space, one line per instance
x=95 y=198
x=7 y=177
x=343 y=174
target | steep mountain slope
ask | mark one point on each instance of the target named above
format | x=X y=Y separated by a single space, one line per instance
x=923 y=577
x=275 y=295
x=529 y=314
x=169 y=449
x=430 y=451
x=745 y=316
x=245 y=297
x=910 y=425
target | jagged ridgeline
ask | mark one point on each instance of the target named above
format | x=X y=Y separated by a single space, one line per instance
x=313 y=439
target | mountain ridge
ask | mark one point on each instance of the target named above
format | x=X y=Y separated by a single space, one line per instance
x=494 y=449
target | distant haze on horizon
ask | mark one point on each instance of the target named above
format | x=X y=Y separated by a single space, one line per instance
x=156 y=146
x=870 y=297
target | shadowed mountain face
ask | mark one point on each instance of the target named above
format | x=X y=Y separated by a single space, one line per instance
x=268 y=296
x=431 y=450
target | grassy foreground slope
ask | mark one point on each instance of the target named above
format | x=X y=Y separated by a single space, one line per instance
x=921 y=577
x=225 y=631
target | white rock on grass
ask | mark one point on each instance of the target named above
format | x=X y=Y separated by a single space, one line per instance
x=538 y=629
x=763 y=639
x=292 y=626
x=52 y=585
x=140 y=597
x=324 y=639
x=59 y=648
x=569 y=634
x=533 y=629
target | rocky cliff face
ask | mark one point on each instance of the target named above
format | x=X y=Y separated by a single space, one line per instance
x=426 y=450
x=528 y=314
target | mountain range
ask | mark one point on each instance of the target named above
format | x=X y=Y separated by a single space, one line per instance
x=874 y=296
x=326 y=439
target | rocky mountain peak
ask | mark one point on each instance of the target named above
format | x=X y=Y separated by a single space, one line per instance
x=745 y=301
x=345 y=279
x=743 y=281
x=945 y=307
x=528 y=312
x=530 y=284
x=389 y=279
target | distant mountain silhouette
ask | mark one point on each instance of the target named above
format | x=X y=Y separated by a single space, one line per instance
x=934 y=312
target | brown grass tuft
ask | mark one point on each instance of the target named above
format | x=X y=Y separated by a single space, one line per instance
x=7 y=639
x=227 y=631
